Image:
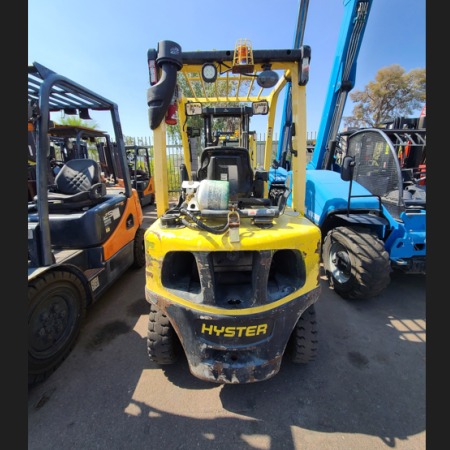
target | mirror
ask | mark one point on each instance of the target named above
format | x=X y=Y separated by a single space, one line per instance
x=348 y=165
x=261 y=107
x=193 y=109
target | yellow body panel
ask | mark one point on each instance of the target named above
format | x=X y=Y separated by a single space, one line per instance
x=290 y=231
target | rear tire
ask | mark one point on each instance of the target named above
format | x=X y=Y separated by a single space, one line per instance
x=356 y=263
x=302 y=345
x=56 y=308
x=139 y=249
x=163 y=346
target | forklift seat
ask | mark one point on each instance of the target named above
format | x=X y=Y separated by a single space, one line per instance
x=77 y=185
x=230 y=164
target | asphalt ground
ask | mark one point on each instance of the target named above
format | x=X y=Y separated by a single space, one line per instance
x=366 y=389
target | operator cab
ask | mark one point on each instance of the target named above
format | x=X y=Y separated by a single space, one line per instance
x=230 y=155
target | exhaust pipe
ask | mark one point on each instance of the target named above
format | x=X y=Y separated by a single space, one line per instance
x=159 y=96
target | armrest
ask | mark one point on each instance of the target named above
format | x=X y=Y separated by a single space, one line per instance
x=98 y=190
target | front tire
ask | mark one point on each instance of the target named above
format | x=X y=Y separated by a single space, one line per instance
x=356 y=263
x=163 y=346
x=139 y=249
x=56 y=308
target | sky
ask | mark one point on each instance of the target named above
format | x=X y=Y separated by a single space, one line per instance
x=103 y=45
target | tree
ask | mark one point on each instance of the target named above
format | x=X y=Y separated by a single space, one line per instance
x=394 y=93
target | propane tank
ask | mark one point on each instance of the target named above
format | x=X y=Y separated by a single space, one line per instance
x=213 y=194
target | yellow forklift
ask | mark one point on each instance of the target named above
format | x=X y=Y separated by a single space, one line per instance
x=232 y=271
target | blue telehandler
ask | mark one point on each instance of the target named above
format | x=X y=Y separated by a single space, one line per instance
x=365 y=188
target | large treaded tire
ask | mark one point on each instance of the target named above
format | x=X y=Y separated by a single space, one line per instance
x=56 y=309
x=356 y=263
x=139 y=249
x=163 y=345
x=303 y=344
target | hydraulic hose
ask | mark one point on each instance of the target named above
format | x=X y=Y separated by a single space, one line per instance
x=215 y=230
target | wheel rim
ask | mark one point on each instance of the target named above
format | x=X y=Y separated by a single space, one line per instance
x=339 y=262
x=50 y=324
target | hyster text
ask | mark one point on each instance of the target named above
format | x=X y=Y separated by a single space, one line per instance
x=252 y=330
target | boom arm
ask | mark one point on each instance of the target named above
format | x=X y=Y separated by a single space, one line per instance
x=342 y=80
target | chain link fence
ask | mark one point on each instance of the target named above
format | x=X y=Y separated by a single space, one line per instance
x=175 y=157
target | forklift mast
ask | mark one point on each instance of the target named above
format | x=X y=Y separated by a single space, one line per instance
x=286 y=119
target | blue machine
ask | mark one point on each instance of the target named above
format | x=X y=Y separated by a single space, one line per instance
x=367 y=198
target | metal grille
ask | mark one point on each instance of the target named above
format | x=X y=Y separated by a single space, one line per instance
x=376 y=165
x=175 y=159
x=380 y=163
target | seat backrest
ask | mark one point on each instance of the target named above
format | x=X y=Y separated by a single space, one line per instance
x=77 y=185
x=230 y=164
x=77 y=175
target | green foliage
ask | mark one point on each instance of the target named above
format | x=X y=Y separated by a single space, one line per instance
x=75 y=121
x=128 y=140
x=393 y=93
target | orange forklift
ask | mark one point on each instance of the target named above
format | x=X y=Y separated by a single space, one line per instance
x=82 y=235
x=141 y=174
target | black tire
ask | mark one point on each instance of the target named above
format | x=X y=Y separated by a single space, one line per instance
x=139 y=249
x=56 y=309
x=163 y=345
x=303 y=344
x=356 y=263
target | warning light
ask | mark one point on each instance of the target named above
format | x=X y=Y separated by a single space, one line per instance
x=243 y=57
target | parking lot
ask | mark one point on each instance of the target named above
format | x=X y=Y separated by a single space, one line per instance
x=366 y=390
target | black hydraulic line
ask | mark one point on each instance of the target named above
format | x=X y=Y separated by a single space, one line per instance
x=215 y=230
